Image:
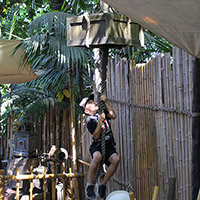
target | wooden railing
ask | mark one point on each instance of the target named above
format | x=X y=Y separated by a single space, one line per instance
x=18 y=177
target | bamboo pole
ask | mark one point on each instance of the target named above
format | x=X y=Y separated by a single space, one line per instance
x=171 y=191
x=119 y=132
x=131 y=196
x=31 y=184
x=71 y=185
x=186 y=108
x=45 y=183
x=64 y=128
x=190 y=125
x=122 y=116
x=72 y=125
x=127 y=121
x=155 y=193
x=132 y=92
x=17 y=185
x=2 y=184
x=8 y=137
x=57 y=139
x=180 y=121
x=176 y=126
x=63 y=180
x=53 y=182
x=44 y=133
x=47 y=128
x=52 y=124
x=41 y=176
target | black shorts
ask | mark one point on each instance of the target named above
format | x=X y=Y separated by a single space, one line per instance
x=110 y=149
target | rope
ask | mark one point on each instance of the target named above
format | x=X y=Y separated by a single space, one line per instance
x=155 y=108
x=102 y=108
x=128 y=186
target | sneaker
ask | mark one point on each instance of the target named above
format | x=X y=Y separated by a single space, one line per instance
x=89 y=190
x=102 y=191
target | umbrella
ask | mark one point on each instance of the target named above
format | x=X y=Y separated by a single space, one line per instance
x=12 y=70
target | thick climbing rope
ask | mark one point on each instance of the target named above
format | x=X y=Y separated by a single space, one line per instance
x=102 y=108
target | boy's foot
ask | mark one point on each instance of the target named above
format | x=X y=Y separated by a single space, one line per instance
x=102 y=191
x=89 y=190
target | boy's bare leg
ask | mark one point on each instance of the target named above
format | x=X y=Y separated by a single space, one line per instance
x=97 y=157
x=114 y=161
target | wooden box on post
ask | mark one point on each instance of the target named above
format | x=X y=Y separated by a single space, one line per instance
x=96 y=30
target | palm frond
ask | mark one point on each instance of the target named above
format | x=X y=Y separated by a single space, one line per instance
x=10 y=21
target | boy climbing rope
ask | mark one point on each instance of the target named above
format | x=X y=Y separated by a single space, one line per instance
x=95 y=122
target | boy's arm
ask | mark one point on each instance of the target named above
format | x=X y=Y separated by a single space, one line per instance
x=96 y=134
x=111 y=112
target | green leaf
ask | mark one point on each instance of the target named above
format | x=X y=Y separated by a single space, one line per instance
x=60 y=97
x=82 y=4
x=66 y=93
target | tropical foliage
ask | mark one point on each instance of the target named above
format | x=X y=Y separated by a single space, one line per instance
x=47 y=51
x=42 y=26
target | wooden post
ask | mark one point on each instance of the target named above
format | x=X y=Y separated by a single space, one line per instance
x=2 y=186
x=196 y=129
x=53 y=182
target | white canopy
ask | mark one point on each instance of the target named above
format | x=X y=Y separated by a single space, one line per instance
x=10 y=69
x=175 y=20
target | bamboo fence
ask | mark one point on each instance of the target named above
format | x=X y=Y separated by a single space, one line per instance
x=153 y=126
x=20 y=177
x=53 y=128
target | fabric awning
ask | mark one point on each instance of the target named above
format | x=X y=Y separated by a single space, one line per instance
x=177 y=21
x=10 y=69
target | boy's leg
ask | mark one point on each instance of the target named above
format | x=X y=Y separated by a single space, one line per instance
x=89 y=190
x=97 y=157
x=114 y=161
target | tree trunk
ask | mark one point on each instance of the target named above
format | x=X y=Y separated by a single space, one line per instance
x=81 y=83
x=72 y=129
x=196 y=129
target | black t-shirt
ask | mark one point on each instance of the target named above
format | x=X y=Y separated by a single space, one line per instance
x=93 y=120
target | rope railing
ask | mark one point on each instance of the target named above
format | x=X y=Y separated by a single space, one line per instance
x=128 y=186
x=154 y=108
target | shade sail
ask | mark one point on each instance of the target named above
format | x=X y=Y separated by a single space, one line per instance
x=11 y=71
x=175 y=20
